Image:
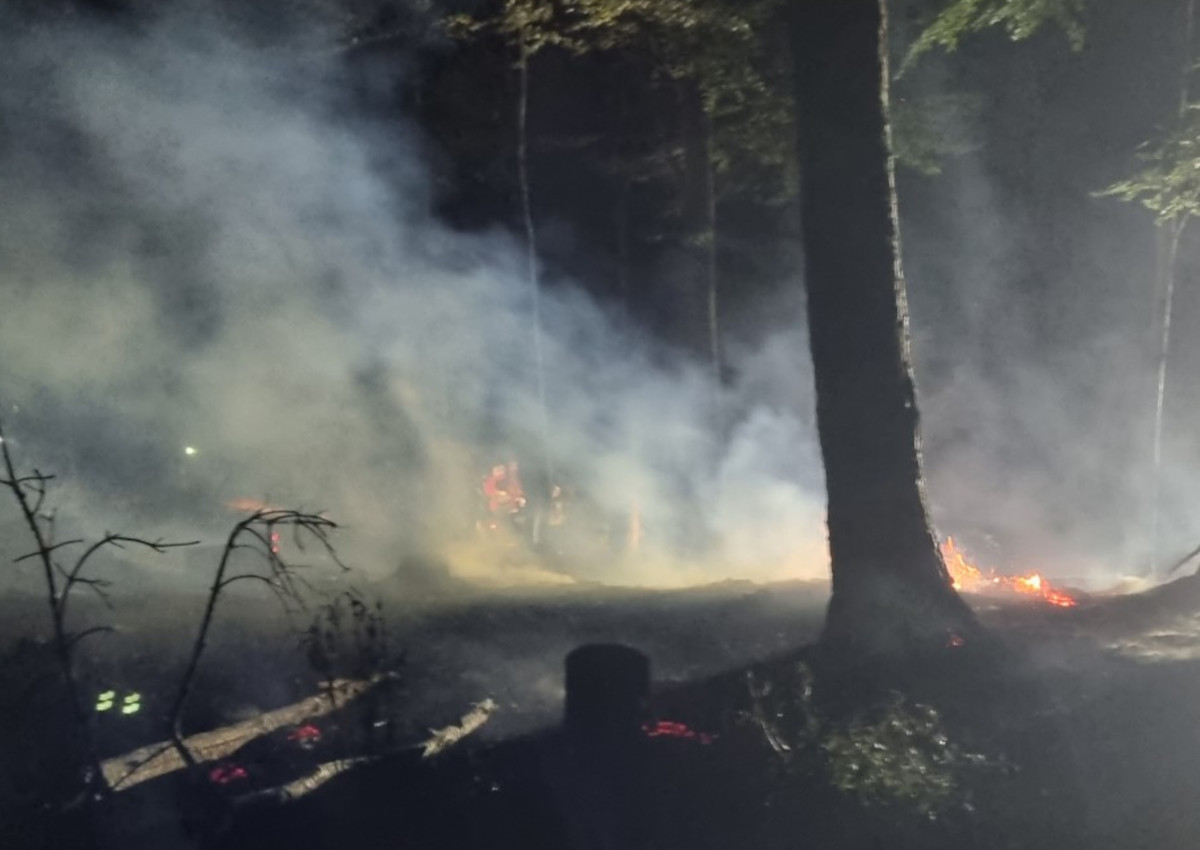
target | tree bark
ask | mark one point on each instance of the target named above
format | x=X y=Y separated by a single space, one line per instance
x=890 y=586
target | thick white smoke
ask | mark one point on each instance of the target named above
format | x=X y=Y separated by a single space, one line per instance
x=205 y=246
x=1035 y=352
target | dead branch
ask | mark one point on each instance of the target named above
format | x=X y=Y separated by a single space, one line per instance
x=479 y=714
x=53 y=547
x=758 y=714
x=310 y=782
x=155 y=760
x=259 y=529
x=75 y=575
x=76 y=639
x=1180 y=563
x=30 y=492
x=441 y=739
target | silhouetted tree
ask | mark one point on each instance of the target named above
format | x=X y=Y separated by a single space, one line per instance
x=734 y=125
x=890 y=586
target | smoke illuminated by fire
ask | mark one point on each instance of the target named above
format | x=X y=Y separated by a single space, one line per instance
x=250 y=506
x=969 y=578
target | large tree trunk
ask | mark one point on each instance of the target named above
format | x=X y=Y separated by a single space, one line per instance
x=890 y=587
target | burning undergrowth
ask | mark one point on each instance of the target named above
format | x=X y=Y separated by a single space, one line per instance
x=969 y=578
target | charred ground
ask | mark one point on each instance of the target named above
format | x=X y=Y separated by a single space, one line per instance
x=1084 y=717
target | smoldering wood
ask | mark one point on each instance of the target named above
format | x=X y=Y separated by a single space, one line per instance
x=438 y=742
x=441 y=739
x=155 y=760
x=160 y=759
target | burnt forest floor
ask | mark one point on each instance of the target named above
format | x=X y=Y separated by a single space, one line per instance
x=1088 y=721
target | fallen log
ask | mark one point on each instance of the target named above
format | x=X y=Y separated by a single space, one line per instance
x=439 y=741
x=310 y=782
x=155 y=760
x=479 y=714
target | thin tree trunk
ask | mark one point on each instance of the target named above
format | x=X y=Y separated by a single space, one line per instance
x=624 y=192
x=699 y=210
x=531 y=267
x=56 y=600
x=623 y=251
x=710 y=244
x=1167 y=260
x=1169 y=263
x=890 y=586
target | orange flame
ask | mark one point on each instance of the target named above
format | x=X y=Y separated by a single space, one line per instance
x=966 y=576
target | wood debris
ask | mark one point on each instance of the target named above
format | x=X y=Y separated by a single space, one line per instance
x=479 y=714
x=150 y=762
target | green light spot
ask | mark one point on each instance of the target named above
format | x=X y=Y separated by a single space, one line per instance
x=104 y=705
x=107 y=696
x=133 y=698
x=130 y=708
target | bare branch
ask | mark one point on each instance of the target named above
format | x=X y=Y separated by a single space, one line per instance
x=117 y=540
x=31 y=512
x=74 y=577
x=267 y=580
x=37 y=483
x=36 y=476
x=97 y=586
x=258 y=528
x=48 y=550
x=95 y=630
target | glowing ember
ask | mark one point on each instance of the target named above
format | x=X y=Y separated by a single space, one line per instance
x=304 y=734
x=226 y=773
x=967 y=577
x=675 y=729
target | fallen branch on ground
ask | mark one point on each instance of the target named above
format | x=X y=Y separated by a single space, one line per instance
x=155 y=760
x=441 y=739
x=438 y=742
x=307 y=784
x=150 y=762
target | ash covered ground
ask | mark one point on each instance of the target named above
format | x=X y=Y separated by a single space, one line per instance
x=505 y=646
x=1093 y=711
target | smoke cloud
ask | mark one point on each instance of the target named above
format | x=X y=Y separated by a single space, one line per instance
x=223 y=281
x=1035 y=324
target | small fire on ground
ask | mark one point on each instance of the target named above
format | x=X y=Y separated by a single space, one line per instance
x=969 y=578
